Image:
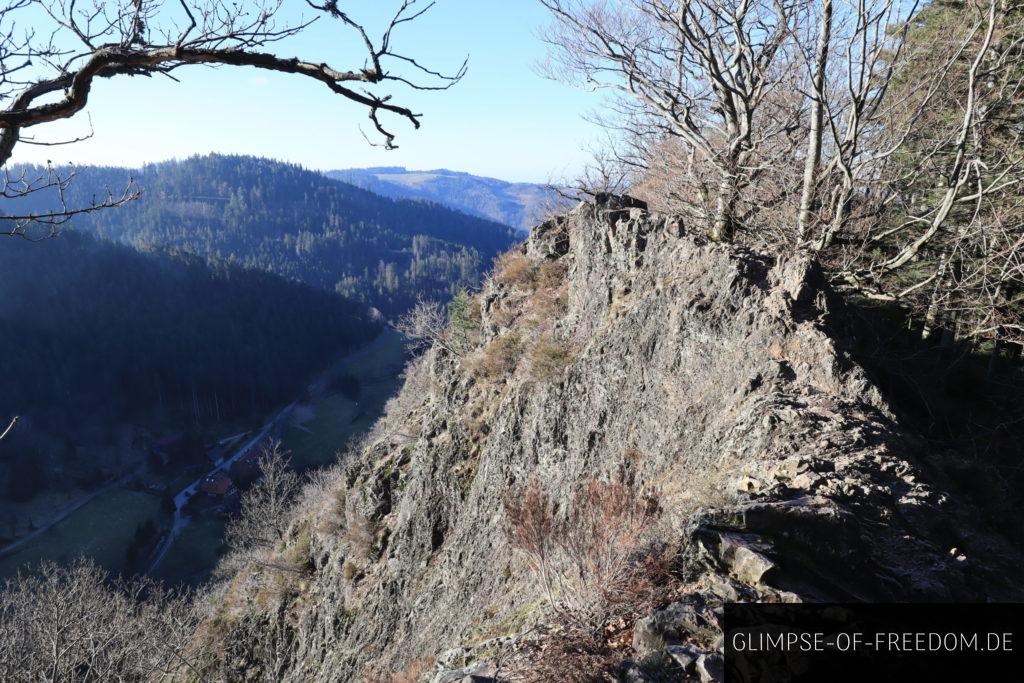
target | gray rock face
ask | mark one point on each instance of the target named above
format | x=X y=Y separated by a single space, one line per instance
x=654 y=636
x=703 y=371
x=711 y=668
x=685 y=656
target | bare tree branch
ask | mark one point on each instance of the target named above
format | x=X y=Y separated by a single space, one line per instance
x=10 y=426
x=47 y=73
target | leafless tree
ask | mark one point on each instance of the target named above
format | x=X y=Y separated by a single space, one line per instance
x=427 y=324
x=855 y=130
x=53 y=51
x=699 y=71
x=815 y=133
x=856 y=59
x=76 y=624
x=941 y=230
x=265 y=514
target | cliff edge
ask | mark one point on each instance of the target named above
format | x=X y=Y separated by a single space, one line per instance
x=612 y=348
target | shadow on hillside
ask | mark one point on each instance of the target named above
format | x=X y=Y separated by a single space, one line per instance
x=966 y=400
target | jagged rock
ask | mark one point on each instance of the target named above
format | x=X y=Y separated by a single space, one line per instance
x=670 y=626
x=687 y=364
x=685 y=656
x=711 y=668
x=631 y=672
x=464 y=677
x=479 y=672
x=549 y=240
x=743 y=558
x=748 y=484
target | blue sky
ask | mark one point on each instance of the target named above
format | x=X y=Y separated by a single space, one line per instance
x=502 y=120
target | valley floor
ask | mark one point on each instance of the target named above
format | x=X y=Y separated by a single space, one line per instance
x=101 y=524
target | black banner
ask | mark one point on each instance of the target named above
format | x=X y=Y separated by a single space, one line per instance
x=872 y=642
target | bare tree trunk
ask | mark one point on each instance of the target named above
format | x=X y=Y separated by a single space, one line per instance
x=813 y=159
x=725 y=207
x=931 y=316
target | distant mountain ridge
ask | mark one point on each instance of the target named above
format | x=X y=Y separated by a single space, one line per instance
x=296 y=223
x=519 y=205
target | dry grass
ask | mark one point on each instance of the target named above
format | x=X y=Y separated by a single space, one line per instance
x=552 y=303
x=551 y=295
x=514 y=269
x=551 y=274
x=505 y=315
x=549 y=358
x=535 y=294
x=361 y=535
x=500 y=357
x=299 y=552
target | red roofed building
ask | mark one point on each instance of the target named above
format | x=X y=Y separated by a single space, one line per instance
x=218 y=485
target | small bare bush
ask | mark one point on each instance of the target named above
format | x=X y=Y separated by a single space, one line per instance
x=429 y=323
x=424 y=324
x=531 y=528
x=591 y=555
x=579 y=652
x=599 y=570
x=605 y=527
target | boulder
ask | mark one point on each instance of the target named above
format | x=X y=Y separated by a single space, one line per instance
x=685 y=656
x=711 y=668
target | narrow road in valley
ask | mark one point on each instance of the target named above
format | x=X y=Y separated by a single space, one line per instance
x=316 y=387
x=183 y=496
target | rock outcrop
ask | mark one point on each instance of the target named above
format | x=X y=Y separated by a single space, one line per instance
x=615 y=344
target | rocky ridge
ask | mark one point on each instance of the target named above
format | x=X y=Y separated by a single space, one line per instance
x=612 y=343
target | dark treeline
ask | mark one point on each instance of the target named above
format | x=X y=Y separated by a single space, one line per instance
x=93 y=332
x=296 y=223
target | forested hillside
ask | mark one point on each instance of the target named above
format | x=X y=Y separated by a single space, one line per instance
x=95 y=333
x=296 y=223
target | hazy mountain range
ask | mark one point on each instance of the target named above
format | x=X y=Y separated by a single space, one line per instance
x=520 y=205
